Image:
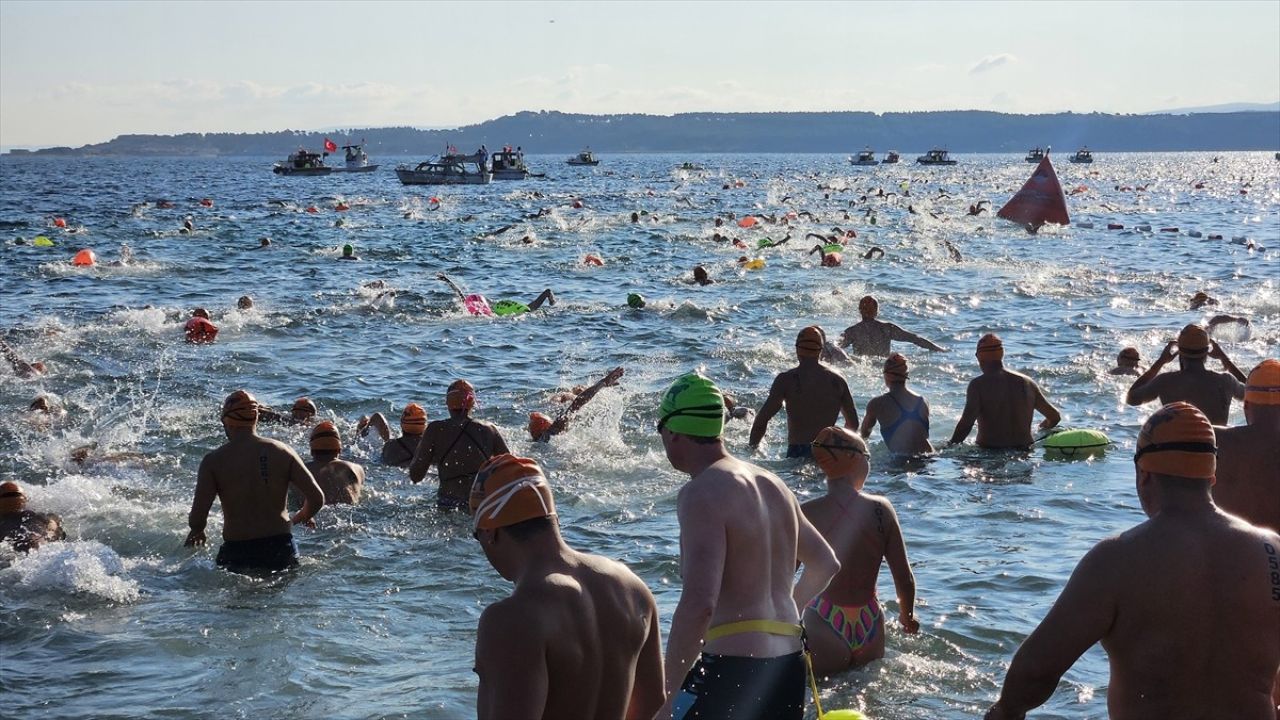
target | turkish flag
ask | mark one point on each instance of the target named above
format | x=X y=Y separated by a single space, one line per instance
x=330 y=146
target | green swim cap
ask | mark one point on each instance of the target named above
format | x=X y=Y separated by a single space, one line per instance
x=693 y=406
x=635 y=300
x=347 y=249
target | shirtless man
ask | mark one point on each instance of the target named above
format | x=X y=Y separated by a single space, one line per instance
x=578 y=637
x=1208 y=390
x=741 y=537
x=1001 y=401
x=457 y=446
x=542 y=428
x=1248 y=479
x=397 y=451
x=25 y=529
x=902 y=414
x=1186 y=605
x=251 y=476
x=339 y=480
x=845 y=623
x=813 y=395
x=874 y=337
x=1127 y=362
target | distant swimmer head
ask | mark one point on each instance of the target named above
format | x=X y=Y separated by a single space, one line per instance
x=839 y=451
x=868 y=307
x=413 y=421
x=200 y=313
x=303 y=408
x=1193 y=342
x=895 y=368
x=264 y=242
x=700 y=275
x=240 y=410
x=1128 y=357
x=809 y=342
x=324 y=438
x=12 y=499
x=509 y=490
x=348 y=251
x=538 y=424
x=460 y=396
x=1177 y=440
x=40 y=404
x=693 y=405
x=990 y=348
x=245 y=302
x=1263 y=386
x=635 y=301
x=1200 y=299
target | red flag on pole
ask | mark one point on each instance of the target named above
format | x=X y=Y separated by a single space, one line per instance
x=330 y=146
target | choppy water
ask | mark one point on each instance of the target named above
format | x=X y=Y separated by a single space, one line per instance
x=379 y=622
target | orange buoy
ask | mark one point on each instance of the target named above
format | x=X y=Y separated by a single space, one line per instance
x=84 y=258
x=748 y=221
x=342 y=207
x=1039 y=201
x=59 y=222
x=200 y=330
x=206 y=203
x=593 y=260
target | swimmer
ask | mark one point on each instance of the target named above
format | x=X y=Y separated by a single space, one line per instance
x=832 y=354
x=1210 y=391
x=1200 y=299
x=502 y=307
x=302 y=413
x=733 y=410
x=251 y=476
x=21 y=368
x=542 y=428
x=905 y=431
x=829 y=259
x=875 y=337
x=24 y=529
x=457 y=446
x=813 y=394
x=845 y=624
x=397 y=451
x=264 y=242
x=579 y=635
x=199 y=329
x=339 y=480
x=1001 y=402
x=1248 y=472
x=742 y=536
x=244 y=303
x=1233 y=328
x=1127 y=362
x=1141 y=591
x=701 y=277
x=348 y=253
x=876 y=252
x=977 y=208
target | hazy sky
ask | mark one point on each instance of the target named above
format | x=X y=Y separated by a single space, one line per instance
x=73 y=73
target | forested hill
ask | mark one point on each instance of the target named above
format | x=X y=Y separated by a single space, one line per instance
x=782 y=132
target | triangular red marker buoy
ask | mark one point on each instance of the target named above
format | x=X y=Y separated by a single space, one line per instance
x=1039 y=201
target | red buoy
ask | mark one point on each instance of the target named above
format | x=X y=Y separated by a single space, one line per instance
x=1039 y=201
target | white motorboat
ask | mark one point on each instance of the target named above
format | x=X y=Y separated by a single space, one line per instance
x=357 y=160
x=302 y=163
x=1082 y=156
x=1034 y=155
x=449 y=169
x=585 y=158
x=866 y=157
x=508 y=164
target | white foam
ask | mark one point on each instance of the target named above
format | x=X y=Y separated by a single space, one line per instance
x=74 y=567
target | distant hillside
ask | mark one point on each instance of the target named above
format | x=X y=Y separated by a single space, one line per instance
x=1227 y=108
x=832 y=132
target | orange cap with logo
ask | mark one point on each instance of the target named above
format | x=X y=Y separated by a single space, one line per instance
x=836 y=450
x=895 y=367
x=538 y=424
x=240 y=410
x=1263 y=387
x=1193 y=342
x=990 y=347
x=509 y=490
x=324 y=438
x=1178 y=440
x=461 y=396
x=413 y=421
x=809 y=342
x=12 y=499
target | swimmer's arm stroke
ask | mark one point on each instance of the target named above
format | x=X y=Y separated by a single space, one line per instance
x=964 y=425
x=450 y=283
x=904 y=581
x=206 y=491
x=312 y=496
x=818 y=561
x=703 y=551
x=511 y=663
x=766 y=412
x=376 y=421
x=897 y=333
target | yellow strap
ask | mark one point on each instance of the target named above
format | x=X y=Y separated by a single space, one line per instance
x=813 y=682
x=773 y=627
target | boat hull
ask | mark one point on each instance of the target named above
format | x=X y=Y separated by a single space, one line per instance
x=363 y=169
x=864 y=163
x=510 y=174
x=583 y=163
x=419 y=177
x=937 y=162
x=304 y=172
x=1082 y=161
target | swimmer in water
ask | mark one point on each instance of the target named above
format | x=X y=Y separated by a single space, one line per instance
x=199 y=329
x=701 y=277
x=903 y=415
x=845 y=624
x=457 y=446
x=813 y=394
x=977 y=208
x=339 y=480
x=1201 y=299
x=397 y=451
x=244 y=303
x=1127 y=362
x=1002 y=402
x=251 y=476
x=1210 y=391
x=21 y=368
x=502 y=307
x=542 y=428
x=579 y=635
x=875 y=337
x=1248 y=470
x=348 y=253
x=24 y=529
x=303 y=412
x=829 y=259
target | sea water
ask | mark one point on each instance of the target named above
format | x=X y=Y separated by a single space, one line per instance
x=379 y=621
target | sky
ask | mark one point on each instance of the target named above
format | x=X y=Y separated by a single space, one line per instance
x=73 y=73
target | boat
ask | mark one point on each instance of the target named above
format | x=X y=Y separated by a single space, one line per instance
x=448 y=169
x=1034 y=155
x=691 y=167
x=936 y=156
x=357 y=160
x=866 y=157
x=1082 y=156
x=302 y=163
x=891 y=158
x=586 y=157
x=508 y=164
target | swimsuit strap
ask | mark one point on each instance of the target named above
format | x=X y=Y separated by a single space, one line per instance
x=773 y=627
x=405 y=446
x=903 y=415
x=456 y=438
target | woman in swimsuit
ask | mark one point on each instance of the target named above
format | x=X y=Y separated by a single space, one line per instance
x=902 y=414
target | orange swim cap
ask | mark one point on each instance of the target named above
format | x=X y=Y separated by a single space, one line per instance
x=240 y=410
x=538 y=424
x=1263 y=387
x=990 y=347
x=809 y=342
x=324 y=438
x=305 y=405
x=12 y=499
x=836 y=449
x=508 y=490
x=413 y=421
x=461 y=396
x=868 y=307
x=1178 y=440
x=1193 y=342
x=895 y=367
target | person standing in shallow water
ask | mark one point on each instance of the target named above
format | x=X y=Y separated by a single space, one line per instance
x=1002 y=402
x=875 y=337
x=902 y=414
x=813 y=394
x=1210 y=391
x=457 y=446
x=1248 y=473
x=397 y=451
x=339 y=480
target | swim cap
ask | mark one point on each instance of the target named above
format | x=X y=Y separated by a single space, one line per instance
x=413 y=421
x=693 y=406
x=990 y=347
x=461 y=396
x=1193 y=342
x=809 y=342
x=324 y=438
x=508 y=490
x=240 y=410
x=835 y=449
x=1177 y=440
x=895 y=367
x=347 y=249
x=1130 y=353
x=1263 y=387
x=12 y=499
x=200 y=312
x=304 y=404
x=538 y=424
x=868 y=307
x=635 y=300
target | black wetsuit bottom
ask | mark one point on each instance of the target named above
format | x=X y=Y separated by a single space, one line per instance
x=727 y=687
x=276 y=552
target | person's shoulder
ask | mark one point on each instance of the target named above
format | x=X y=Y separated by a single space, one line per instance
x=505 y=618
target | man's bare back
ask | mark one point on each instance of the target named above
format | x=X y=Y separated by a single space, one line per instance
x=341 y=481
x=814 y=396
x=1002 y=403
x=251 y=476
x=1248 y=480
x=1208 y=390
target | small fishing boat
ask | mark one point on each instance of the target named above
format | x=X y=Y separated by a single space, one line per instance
x=509 y=164
x=302 y=163
x=891 y=159
x=1034 y=155
x=449 y=169
x=936 y=156
x=586 y=157
x=1082 y=156
x=690 y=167
x=866 y=157
x=357 y=160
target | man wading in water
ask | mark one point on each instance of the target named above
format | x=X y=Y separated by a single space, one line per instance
x=457 y=446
